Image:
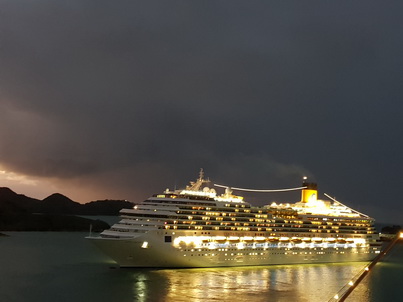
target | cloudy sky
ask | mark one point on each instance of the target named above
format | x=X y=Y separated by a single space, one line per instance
x=122 y=99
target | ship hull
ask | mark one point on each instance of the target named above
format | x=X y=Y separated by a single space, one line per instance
x=148 y=251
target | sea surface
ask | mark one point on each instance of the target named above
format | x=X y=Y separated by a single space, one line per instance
x=58 y=266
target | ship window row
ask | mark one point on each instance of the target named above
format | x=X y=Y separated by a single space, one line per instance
x=134 y=215
x=222 y=213
x=203 y=221
x=269 y=253
x=340 y=224
x=182 y=215
x=216 y=211
x=190 y=197
x=127 y=230
x=257 y=212
x=219 y=218
x=258 y=229
x=179 y=202
x=344 y=219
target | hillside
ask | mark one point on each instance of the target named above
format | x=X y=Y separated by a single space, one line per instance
x=11 y=202
x=54 y=213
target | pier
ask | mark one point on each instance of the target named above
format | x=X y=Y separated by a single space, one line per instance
x=347 y=289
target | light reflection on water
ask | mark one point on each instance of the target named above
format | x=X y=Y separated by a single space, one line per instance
x=270 y=283
x=66 y=267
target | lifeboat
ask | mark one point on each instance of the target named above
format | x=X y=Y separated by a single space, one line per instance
x=247 y=239
x=233 y=239
x=284 y=239
x=317 y=240
x=296 y=239
x=341 y=240
x=220 y=239
x=273 y=239
x=306 y=239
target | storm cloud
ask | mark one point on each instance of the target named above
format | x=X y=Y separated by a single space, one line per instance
x=123 y=99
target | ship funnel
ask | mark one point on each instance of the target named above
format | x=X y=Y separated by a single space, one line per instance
x=310 y=193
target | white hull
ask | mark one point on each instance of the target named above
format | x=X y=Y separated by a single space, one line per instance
x=132 y=253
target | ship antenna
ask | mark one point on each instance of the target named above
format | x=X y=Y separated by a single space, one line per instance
x=195 y=186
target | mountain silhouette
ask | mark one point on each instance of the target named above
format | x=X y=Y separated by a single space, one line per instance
x=54 y=213
x=11 y=202
x=58 y=203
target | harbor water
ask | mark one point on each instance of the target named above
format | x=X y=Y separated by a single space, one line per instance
x=46 y=266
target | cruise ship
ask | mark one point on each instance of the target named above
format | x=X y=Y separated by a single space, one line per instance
x=197 y=227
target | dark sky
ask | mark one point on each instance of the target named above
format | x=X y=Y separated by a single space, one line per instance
x=122 y=99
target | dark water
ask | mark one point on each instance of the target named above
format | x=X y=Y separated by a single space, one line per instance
x=65 y=267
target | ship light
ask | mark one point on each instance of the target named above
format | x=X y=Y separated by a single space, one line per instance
x=233 y=238
x=247 y=238
x=401 y=235
x=189 y=242
x=240 y=246
x=144 y=245
x=351 y=283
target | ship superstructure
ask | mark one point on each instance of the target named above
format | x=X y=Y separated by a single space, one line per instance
x=196 y=227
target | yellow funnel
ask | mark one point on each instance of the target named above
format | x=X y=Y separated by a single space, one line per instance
x=310 y=193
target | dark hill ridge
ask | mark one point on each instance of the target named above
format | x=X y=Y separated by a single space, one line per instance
x=59 y=199
x=105 y=207
x=54 y=213
x=11 y=202
x=60 y=204
x=16 y=203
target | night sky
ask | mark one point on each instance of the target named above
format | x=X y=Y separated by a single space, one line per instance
x=123 y=99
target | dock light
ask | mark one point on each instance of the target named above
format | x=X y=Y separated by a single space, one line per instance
x=401 y=235
x=367 y=269
x=351 y=283
x=144 y=245
x=336 y=296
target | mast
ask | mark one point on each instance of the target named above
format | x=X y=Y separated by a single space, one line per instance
x=196 y=185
